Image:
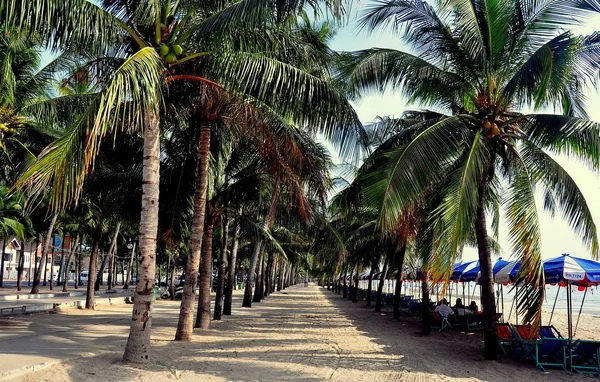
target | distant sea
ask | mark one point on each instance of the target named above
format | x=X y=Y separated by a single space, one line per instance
x=471 y=292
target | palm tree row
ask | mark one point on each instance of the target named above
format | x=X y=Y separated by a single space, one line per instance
x=490 y=67
x=211 y=108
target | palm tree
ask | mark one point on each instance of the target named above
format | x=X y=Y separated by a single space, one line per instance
x=130 y=93
x=486 y=63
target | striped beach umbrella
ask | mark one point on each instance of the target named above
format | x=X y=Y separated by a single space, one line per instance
x=459 y=269
x=572 y=270
x=508 y=272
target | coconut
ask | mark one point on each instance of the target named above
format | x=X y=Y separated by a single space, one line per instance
x=177 y=49
x=163 y=50
x=495 y=130
x=487 y=125
x=170 y=58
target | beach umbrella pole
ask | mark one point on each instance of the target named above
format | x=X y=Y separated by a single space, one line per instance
x=554 y=306
x=580 y=309
x=570 y=325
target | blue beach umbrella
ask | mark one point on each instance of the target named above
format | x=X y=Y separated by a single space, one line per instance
x=508 y=272
x=470 y=273
x=571 y=270
x=458 y=270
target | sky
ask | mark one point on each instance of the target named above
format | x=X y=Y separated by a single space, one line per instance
x=557 y=236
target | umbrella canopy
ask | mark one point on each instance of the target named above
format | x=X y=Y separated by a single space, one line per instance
x=473 y=271
x=572 y=270
x=508 y=272
x=458 y=269
x=470 y=273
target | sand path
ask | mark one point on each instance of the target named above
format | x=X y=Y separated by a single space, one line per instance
x=301 y=334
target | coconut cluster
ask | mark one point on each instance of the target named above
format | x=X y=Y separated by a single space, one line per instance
x=491 y=129
x=170 y=52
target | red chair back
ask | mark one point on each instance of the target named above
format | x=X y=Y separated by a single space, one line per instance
x=503 y=331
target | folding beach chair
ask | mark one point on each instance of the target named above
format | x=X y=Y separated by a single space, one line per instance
x=440 y=322
x=506 y=338
x=473 y=322
x=551 y=352
x=586 y=356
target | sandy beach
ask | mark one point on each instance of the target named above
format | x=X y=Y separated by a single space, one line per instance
x=301 y=334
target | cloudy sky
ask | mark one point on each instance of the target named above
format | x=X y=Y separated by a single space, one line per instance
x=557 y=236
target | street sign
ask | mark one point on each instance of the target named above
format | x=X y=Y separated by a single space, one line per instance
x=57 y=242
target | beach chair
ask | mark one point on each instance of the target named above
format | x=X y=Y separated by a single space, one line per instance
x=586 y=356
x=473 y=322
x=547 y=349
x=440 y=322
x=551 y=352
x=415 y=308
x=506 y=339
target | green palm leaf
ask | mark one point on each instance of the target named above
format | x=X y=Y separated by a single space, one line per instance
x=61 y=169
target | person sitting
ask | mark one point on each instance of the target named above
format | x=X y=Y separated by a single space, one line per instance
x=459 y=304
x=443 y=309
x=473 y=307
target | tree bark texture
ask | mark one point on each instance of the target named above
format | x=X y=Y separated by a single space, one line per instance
x=89 y=297
x=203 y=314
x=68 y=263
x=38 y=273
x=370 y=286
x=259 y=275
x=185 y=324
x=231 y=268
x=130 y=267
x=398 y=290
x=222 y=264
x=379 y=299
x=137 y=349
x=488 y=301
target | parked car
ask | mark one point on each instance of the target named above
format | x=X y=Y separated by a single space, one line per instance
x=83 y=277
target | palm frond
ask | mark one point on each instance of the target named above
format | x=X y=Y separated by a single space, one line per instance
x=574 y=137
x=564 y=193
x=525 y=239
x=62 y=167
x=454 y=216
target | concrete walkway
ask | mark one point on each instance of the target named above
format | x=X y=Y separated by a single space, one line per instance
x=300 y=334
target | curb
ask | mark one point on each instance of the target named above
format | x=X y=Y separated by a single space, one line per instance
x=21 y=371
x=59 y=307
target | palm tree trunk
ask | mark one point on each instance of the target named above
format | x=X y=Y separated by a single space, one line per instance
x=370 y=286
x=89 y=299
x=185 y=325
x=137 y=349
x=221 y=268
x=257 y=248
x=68 y=264
x=425 y=313
x=61 y=268
x=398 y=290
x=231 y=268
x=351 y=284
x=111 y=254
x=356 y=281
x=78 y=260
x=172 y=279
x=20 y=266
x=269 y=276
x=38 y=274
x=130 y=267
x=488 y=300
x=203 y=314
x=99 y=279
x=345 y=288
x=280 y=278
x=379 y=299
x=259 y=274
